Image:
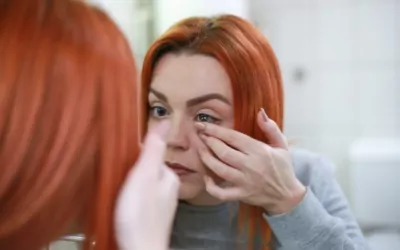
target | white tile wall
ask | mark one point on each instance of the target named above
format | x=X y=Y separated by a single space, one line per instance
x=298 y=45
x=335 y=33
x=350 y=51
x=277 y=4
x=121 y=10
x=132 y=20
x=377 y=32
x=379 y=93
x=170 y=11
x=339 y=103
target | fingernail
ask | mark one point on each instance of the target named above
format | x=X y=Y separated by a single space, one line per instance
x=200 y=126
x=264 y=115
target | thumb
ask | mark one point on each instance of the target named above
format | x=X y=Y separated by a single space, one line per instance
x=271 y=130
x=153 y=149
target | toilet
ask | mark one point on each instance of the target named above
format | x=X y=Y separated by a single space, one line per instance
x=375 y=190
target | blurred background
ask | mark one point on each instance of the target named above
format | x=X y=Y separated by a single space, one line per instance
x=341 y=66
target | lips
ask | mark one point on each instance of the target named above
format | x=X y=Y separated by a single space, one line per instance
x=179 y=169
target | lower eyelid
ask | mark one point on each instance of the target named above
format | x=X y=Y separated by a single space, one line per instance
x=214 y=119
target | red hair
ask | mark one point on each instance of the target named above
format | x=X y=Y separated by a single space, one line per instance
x=68 y=123
x=255 y=77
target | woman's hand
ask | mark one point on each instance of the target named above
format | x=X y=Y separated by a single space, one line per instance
x=147 y=202
x=257 y=173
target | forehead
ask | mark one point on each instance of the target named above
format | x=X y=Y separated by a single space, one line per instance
x=190 y=75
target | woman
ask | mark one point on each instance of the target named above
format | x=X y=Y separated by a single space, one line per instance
x=69 y=133
x=218 y=82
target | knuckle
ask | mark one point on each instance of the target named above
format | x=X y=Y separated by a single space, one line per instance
x=224 y=172
x=265 y=151
x=225 y=155
x=261 y=149
x=268 y=152
x=232 y=137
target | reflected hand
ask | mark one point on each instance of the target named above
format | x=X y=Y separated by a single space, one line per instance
x=258 y=174
x=148 y=200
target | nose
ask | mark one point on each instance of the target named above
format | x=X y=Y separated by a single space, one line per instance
x=178 y=136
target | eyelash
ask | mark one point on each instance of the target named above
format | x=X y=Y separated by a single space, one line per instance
x=154 y=113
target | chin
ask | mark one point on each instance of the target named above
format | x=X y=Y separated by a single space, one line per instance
x=189 y=191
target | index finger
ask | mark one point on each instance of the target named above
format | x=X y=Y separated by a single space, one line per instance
x=153 y=149
x=233 y=138
x=271 y=130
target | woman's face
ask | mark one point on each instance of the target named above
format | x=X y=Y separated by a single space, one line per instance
x=189 y=88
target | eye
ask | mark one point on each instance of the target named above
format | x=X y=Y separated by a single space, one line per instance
x=158 y=112
x=207 y=118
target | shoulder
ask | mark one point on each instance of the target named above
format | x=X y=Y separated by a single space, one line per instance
x=311 y=168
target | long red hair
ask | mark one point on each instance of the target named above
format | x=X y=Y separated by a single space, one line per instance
x=255 y=77
x=68 y=121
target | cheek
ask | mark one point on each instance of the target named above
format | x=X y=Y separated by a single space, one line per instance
x=198 y=143
x=151 y=123
x=149 y=126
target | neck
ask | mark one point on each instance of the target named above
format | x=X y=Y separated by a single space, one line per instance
x=204 y=199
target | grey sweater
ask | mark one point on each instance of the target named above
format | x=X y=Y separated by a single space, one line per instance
x=322 y=220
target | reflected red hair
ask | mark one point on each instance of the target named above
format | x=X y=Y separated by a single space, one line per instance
x=68 y=123
x=255 y=76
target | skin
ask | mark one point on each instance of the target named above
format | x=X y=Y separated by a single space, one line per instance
x=172 y=98
x=193 y=92
x=143 y=221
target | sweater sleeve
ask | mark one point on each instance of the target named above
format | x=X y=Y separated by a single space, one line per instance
x=322 y=220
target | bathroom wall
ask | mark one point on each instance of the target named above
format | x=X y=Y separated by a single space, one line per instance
x=167 y=12
x=134 y=17
x=341 y=68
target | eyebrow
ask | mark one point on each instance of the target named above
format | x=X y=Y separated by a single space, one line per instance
x=159 y=95
x=194 y=101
